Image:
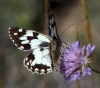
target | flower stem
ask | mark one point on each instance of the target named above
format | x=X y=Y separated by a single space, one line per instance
x=86 y=21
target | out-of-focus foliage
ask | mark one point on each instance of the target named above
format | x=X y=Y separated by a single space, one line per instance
x=30 y=14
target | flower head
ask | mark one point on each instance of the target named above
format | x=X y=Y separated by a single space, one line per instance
x=74 y=61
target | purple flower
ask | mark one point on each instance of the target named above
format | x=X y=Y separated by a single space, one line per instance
x=74 y=61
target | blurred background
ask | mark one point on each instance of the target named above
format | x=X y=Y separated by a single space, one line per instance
x=30 y=14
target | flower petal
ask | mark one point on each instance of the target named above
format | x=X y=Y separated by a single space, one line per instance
x=74 y=61
x=92 y=48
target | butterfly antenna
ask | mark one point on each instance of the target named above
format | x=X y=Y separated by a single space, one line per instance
x=65 y=29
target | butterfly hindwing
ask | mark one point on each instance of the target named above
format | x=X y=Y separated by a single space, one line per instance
x=38 y=61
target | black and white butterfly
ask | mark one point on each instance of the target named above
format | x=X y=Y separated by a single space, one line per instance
x=45 y=49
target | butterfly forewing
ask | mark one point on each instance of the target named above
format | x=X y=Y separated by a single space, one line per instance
x=38 y=61
x=52 y=24
x=26 y=39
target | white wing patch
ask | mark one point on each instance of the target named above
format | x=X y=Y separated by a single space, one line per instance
x=20 y=30
x=43 y=38
x=23 y=38
x=25 y=42
x=29 y=33
x=35 y=43
x=15 y=33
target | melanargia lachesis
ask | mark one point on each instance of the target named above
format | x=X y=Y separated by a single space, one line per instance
x=45 y=50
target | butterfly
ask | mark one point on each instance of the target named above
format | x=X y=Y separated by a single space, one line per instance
x=45 y=50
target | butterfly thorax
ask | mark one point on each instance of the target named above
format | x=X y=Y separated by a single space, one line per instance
x=55 y=46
